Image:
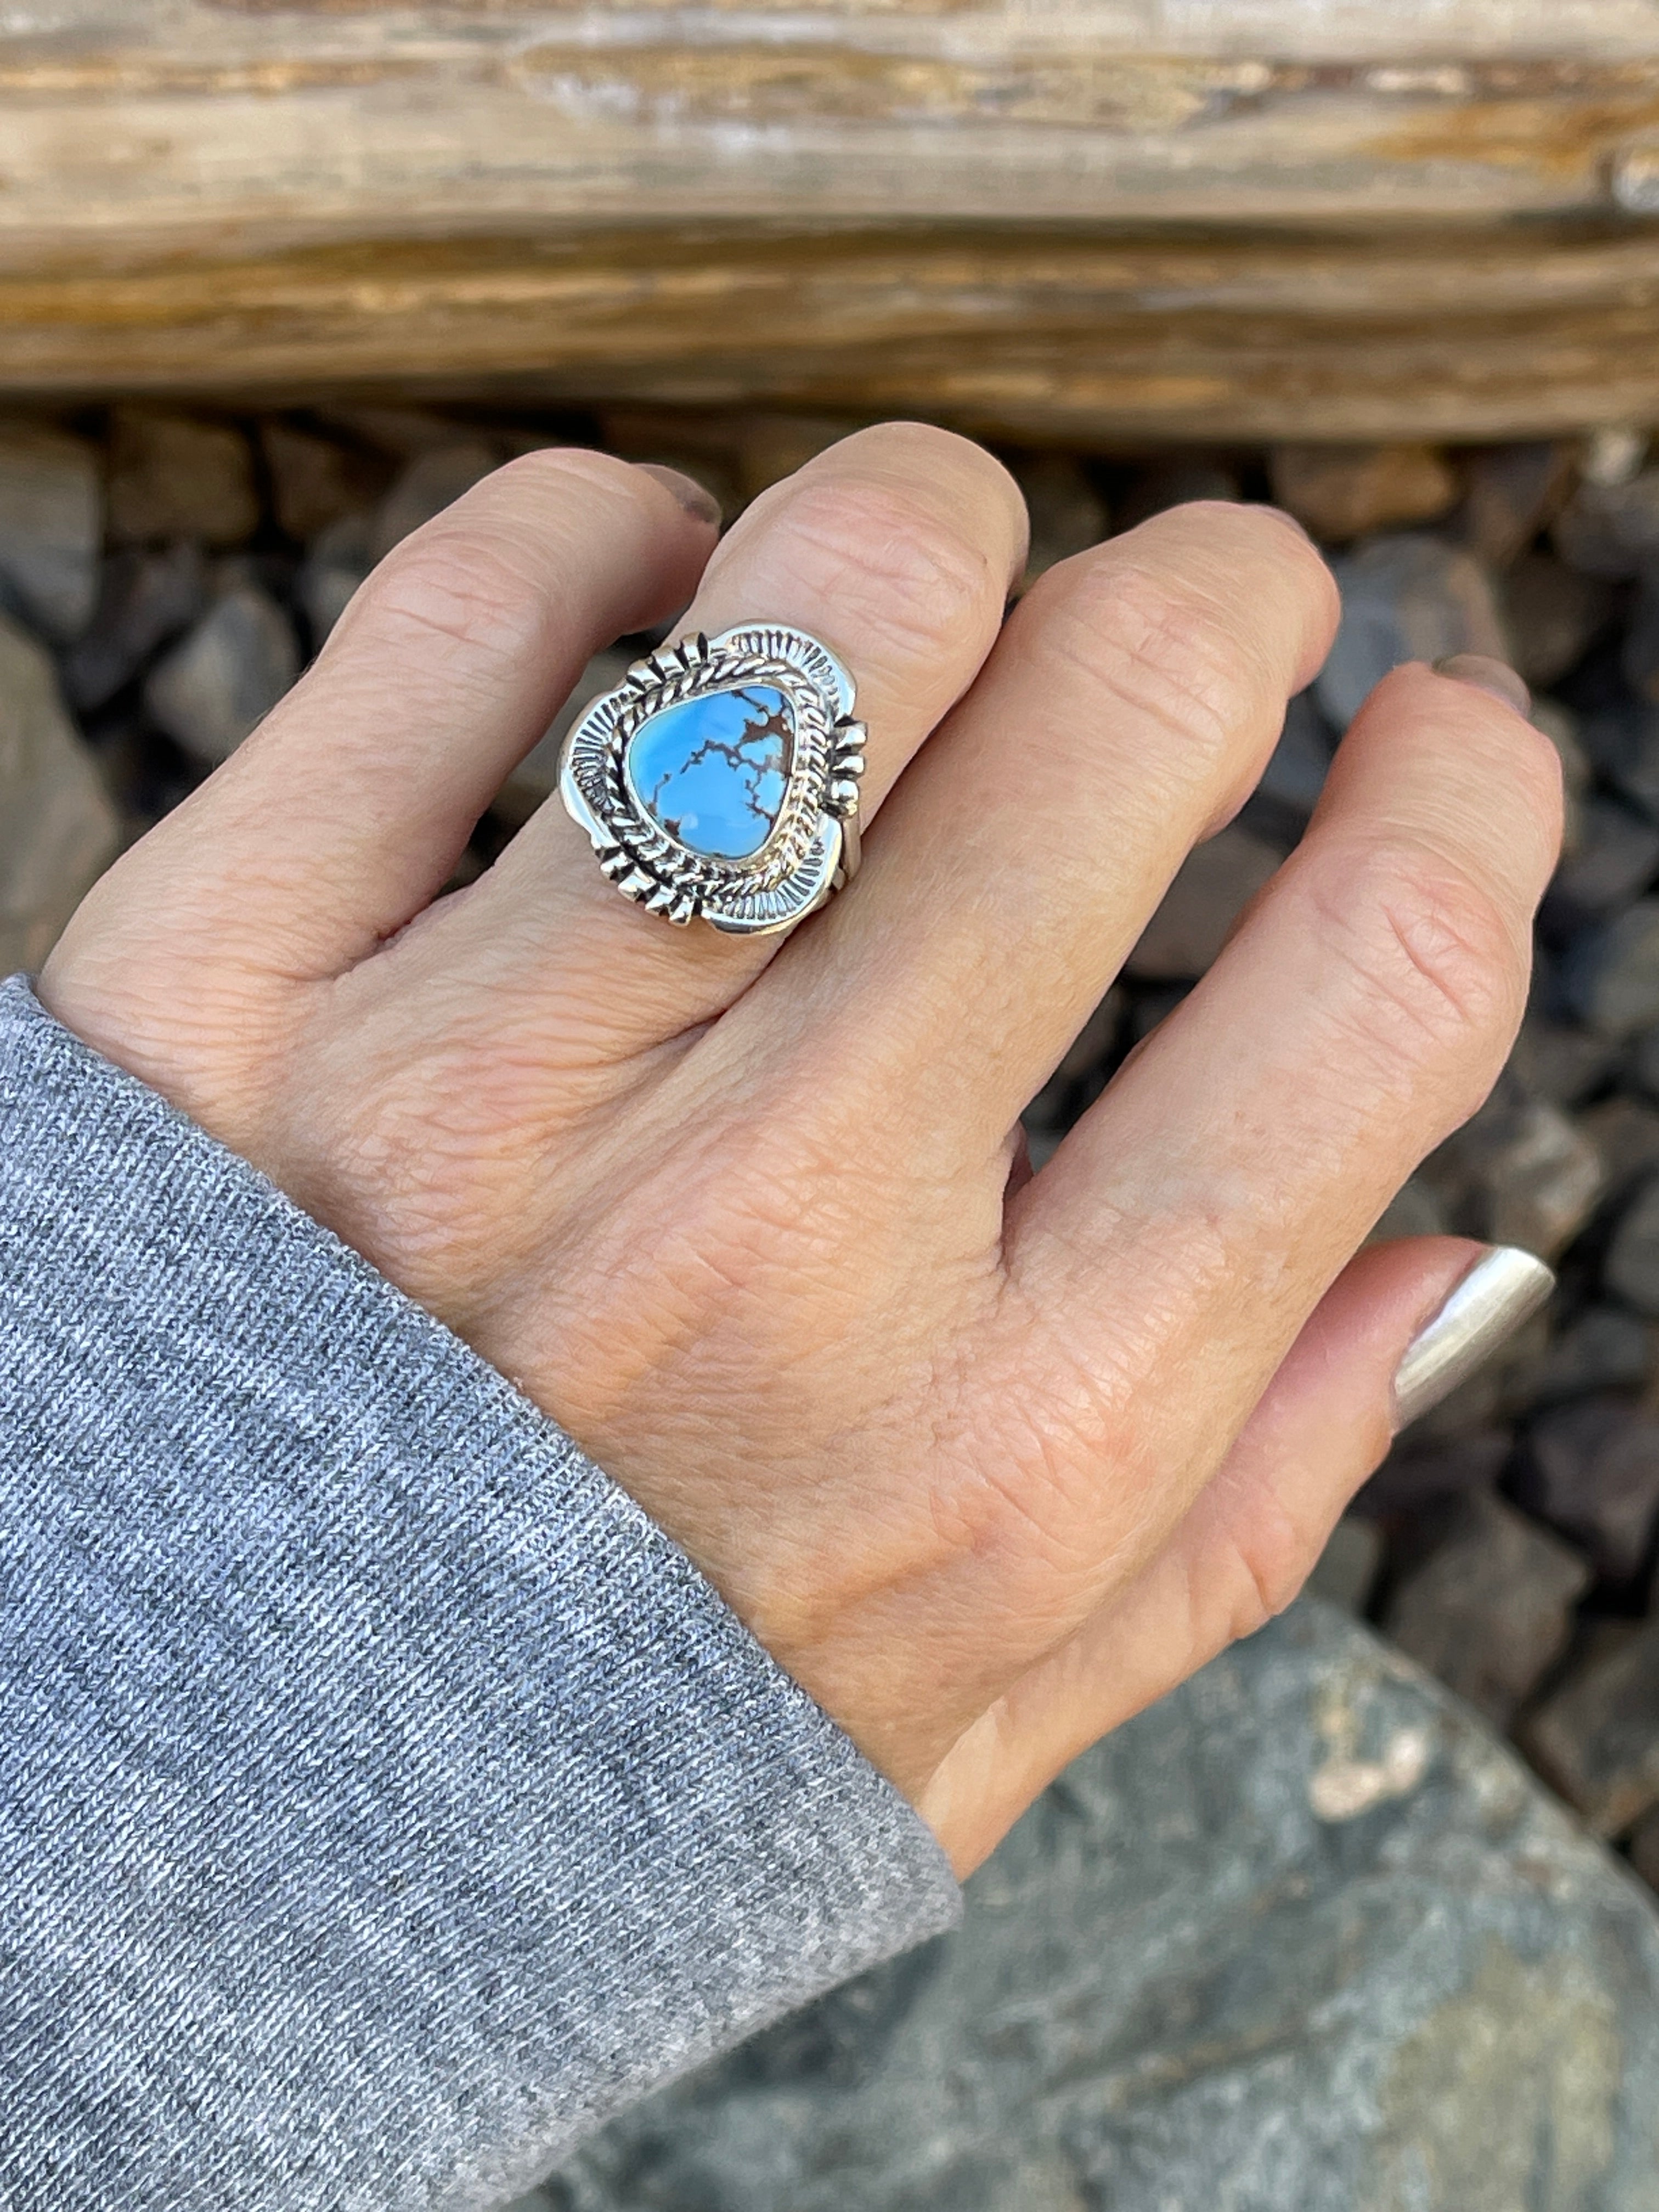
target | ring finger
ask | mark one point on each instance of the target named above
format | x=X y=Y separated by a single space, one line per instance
x=897 y=549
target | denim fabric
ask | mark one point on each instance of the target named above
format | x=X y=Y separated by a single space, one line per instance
x=384 y=1800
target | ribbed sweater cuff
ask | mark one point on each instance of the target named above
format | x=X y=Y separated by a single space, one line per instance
x=384 y=1799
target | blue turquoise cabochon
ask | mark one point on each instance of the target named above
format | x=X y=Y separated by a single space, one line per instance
x=713 y=771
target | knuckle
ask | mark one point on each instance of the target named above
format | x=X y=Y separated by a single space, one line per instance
x=881 y=555
x=1153 y=644
x=463 y=587
x=1439 y=965
x=1233 y=537
x=1270 y=1567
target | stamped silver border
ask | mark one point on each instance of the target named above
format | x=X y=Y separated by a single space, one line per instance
x=811 y=849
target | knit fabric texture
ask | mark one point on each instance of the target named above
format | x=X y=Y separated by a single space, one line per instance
x=384 y=1799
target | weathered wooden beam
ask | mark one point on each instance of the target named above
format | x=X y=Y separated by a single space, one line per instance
x=1103 y=218
x=124 y=121
x=1470 y=334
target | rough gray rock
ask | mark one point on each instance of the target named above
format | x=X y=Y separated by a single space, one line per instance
x=1347 y=1570
x=1630 y=1270
x=146 y=597
x=220 y=681
x=176 y=476
x=1625 y=1135
x=1165 y=484
x=1644 y=1848
x=1597 y=1737
x=315 y=481
x=1553 y=613
x=1295 y=1941
x=1614 y=857
x=1610 y=530
x=1639 y=655
x=1509 y=493
x=1215 y=882
x=431 y=482
x=1611 y=975
x=1418 y=1476
x=766 y=448
x=50 y=528
x=1559 y=1061
x=1415 y=1210
x=1067 y=513
x=1408 y=598
x=1604 y=1348
x=1295 y=775
x=1592 y=1471
x=1520 y=1173
x=337 y=561
x=1078 y=1080
x=1622 y=742
x=1642 y=1066
x=1490 y=1610
x=58 y=827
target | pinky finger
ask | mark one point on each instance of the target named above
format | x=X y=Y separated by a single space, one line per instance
x=1401 y=1325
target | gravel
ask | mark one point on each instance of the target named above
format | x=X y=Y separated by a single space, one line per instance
x=58 y=825
x=1590 y=1468
x=1344 y=492
x=175 y=476
x=1597 y=1739
x=50 y=528
x=1490 y=1610
x=1408 y=598
x=219 y=682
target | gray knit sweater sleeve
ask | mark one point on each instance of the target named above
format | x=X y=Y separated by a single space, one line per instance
x=384 y=1799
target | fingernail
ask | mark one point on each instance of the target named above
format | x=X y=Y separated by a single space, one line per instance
x=694 y=497
x=1486 y=674
x=1489 y=1304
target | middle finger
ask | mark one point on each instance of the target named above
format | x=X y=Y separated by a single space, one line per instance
x=1125 y=714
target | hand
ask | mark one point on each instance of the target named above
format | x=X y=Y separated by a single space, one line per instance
x=986 y=1463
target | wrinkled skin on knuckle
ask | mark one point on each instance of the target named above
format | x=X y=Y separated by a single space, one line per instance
x=1264 y=1568
x=1435 y=969
x=887 y=568
x=1256 y=561
x=1150 y=648
x=457 y=594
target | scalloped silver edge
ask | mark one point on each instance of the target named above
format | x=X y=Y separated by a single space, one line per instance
x=813 y=849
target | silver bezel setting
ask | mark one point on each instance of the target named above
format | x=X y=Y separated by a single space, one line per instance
x=812 y=848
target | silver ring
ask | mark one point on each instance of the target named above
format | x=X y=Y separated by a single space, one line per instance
x=720 y=779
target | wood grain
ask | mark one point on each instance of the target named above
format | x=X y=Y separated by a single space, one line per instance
x=128 y=122
x=1034 y=334
x=1105 y=218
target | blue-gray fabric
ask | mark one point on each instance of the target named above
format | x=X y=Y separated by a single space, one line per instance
x=384 y=1799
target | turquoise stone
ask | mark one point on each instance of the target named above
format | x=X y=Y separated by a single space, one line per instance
x=714 y=770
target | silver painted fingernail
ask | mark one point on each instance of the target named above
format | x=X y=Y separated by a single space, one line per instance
x=1486 y=674
x=1490 y=1303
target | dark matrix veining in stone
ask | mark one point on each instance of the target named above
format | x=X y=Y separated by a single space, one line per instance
x=714 y=770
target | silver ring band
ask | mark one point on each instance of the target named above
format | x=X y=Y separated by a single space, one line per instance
x=720 y=779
